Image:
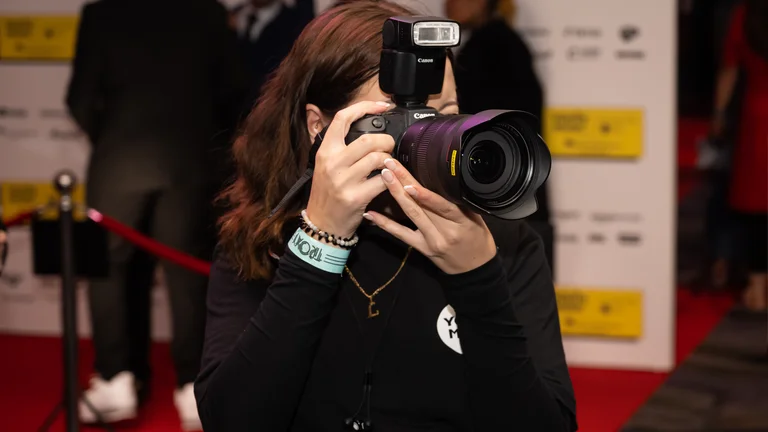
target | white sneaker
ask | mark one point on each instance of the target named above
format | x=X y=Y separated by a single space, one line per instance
x=186 y=405
x=115 y=400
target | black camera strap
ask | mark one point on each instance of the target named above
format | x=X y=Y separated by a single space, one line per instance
x=293 y=191
x=306 y=177
x=358 y=421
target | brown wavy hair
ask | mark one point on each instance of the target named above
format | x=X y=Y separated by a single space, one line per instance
x=335 y=55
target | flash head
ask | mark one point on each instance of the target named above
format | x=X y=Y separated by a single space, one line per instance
x=404 y=33
x=413 y=56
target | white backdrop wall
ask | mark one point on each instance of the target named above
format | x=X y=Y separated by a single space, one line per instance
x=605 y=63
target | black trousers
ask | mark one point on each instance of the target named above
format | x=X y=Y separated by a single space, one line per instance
x=755 y=227
x=120 y=304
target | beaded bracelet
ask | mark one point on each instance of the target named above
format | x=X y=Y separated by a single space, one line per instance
x=308 y=227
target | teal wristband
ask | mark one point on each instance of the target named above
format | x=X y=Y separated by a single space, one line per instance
x=318 y=254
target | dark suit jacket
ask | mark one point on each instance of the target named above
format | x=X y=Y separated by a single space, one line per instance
x=263 y=55
x=495 y=70
x=154 y=83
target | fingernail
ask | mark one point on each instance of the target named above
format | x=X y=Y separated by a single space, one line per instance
x=387 y=175
x=390 y=163
x=411 y=191
x=368 y=216
x=382 y=103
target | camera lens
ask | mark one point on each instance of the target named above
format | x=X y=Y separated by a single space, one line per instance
x=494 y=161
x=486 y=162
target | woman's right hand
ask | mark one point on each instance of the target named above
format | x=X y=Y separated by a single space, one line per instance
x=341 y=189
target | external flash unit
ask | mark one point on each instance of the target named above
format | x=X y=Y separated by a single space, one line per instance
x=413 y=56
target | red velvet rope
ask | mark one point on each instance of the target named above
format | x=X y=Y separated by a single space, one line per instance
x=19 y=218
x=156 y=248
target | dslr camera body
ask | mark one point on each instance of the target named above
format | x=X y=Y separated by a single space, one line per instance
x=492 y=161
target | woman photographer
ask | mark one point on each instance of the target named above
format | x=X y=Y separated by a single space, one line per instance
x=441 y=322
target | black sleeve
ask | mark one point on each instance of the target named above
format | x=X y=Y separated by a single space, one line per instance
x=85 y=91
x=510 y=336
x=229 y=76
x=259 y=345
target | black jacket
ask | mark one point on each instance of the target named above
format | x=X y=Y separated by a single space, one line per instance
x=290 y=354
x=263 y=55
x=154 y=84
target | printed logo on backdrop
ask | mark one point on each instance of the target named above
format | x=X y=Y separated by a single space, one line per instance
x=630 y=239
x=628 y=35
x=604 y=217
x=10 y=280
x=58 y=134
x=538 y=39
x=576 y=53
x=597 y=238
x=57 y=113
x=583 y=32
x=534 y=32
x=564 y=215
x=11 y=291
x=12 y=112
x=448 y=330
x=16 y=133
x=582 y=52
x=567 y=238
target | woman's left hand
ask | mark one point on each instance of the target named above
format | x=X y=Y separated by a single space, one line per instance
x=456 y=240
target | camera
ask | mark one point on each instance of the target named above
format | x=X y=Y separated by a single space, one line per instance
x=493 y=161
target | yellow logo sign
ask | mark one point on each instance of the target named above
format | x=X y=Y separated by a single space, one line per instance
x=20 y=197
x=600 y=312
x=600 y=133
x=38 y=37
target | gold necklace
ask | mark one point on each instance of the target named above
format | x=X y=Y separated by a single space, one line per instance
x=371 y=303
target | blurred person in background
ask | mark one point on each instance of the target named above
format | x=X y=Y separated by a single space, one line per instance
x=746 y=49
x=266 y=30
x=495 y=70
x=153 y=82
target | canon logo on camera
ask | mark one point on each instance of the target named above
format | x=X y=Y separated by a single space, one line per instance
x=419 y=116
x=426 y=60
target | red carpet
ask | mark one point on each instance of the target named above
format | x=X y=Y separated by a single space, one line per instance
x=31 y=378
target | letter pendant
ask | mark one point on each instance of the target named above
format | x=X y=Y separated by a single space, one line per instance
x=371 y=313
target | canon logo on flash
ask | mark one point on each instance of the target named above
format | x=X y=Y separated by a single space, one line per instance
x=423 y=60
x=419 y=116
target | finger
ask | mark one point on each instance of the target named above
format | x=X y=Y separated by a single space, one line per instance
x=339 y=127
x=410 y=207
x=366 y=144
x=368 y=190
x=406 y=235
x=425 y=197
x=369 y=163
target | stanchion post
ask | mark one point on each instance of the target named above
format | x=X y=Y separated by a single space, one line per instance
x=65 y=184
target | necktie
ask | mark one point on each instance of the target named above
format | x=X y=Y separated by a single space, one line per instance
x=249 y=23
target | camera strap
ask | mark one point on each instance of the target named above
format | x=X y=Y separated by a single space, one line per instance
x=307 y=176
x=293 y=191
